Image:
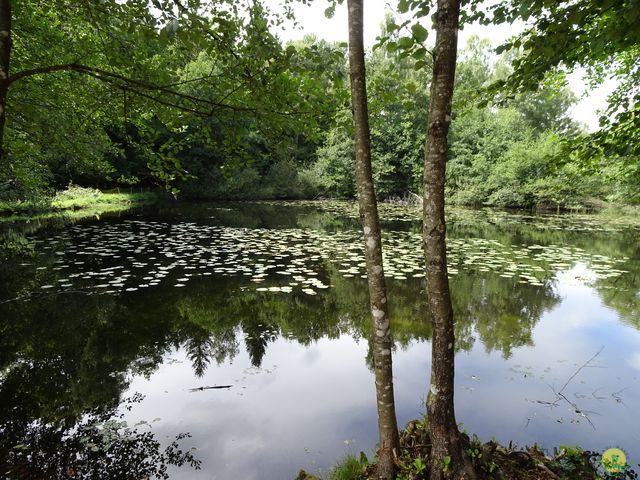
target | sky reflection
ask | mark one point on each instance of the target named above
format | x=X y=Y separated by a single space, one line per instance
x=307 y=406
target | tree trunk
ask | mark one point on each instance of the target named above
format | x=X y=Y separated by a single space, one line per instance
x=387 y=424
x=5 y=56
x=447 y=454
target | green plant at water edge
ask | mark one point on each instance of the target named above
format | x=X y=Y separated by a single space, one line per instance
x=574 y=463
x=350 y=468
x=25 y=207
x=415 y=469
x=568 y=463
x=76 y=197
x=75 y=193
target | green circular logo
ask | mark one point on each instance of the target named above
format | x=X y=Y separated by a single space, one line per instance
x=614 y=460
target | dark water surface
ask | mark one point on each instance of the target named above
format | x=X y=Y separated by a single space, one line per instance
x=270 y=299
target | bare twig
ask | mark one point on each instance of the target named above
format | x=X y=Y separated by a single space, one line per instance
x=584 y=365
x=577 y=410
x=560 y=396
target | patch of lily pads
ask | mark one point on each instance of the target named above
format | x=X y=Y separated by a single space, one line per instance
x=391 y=212
x=134 y=255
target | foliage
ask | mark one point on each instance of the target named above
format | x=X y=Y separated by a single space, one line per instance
x=335 y=166
x=75 y=202
x=397 y=108
x=154 y=88
x=498 y=156
x=600 y=36
x=25 y=207
x=156 y=102
x=75 y=197
x=349 y=468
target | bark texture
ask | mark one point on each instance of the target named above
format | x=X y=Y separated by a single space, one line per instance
x=5 y=58
x=447 y=454
x=387 y=424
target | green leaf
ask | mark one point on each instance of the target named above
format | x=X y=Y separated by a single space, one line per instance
x=419 y=32
x=405 y=42
x=500 y=49
x=330 y=11
x=419 y=53
x=419 y=65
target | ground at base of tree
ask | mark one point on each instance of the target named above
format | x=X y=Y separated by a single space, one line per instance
x=491 y=460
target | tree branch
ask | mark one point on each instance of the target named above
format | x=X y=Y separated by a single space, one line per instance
x=110 y=77
x=135 y=86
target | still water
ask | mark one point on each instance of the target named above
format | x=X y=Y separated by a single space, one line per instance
x=269 y=300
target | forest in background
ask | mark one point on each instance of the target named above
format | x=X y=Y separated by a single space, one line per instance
x=133 y=100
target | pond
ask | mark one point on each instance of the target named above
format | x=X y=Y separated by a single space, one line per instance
x=269 y=301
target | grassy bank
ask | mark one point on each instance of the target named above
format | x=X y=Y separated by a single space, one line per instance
x=74 y=202
x=490 y=460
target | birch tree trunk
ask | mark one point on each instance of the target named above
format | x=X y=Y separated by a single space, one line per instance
x=5 y=57
x=387 y=424
x=447 y=455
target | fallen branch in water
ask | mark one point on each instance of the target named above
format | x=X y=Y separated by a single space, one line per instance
x=213 y=387
x=584 y=365
x=560 y=396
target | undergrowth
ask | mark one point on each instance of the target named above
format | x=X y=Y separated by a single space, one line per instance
x=491 y=461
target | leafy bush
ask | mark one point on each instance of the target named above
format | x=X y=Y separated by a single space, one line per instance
x=74 y=193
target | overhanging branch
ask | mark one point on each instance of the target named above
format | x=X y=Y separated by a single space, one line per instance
x=124 y=82
x=199 y=106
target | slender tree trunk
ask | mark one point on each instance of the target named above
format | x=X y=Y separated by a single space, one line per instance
x=448 y=458
x=5 y=56
x=387 y=424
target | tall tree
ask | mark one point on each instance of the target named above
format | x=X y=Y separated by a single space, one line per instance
x=5 y=56
x=387 y=423
x=448 y=459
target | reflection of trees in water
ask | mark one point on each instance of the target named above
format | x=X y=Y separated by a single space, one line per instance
x=84 y=345
x=65 y=361
x=100 y=446
x=205 y=334
x=200 y=349
x=257 y=215
x=495 y=309
x=501 y=311
x=623 y=293
x=52 y=356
